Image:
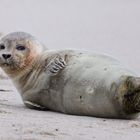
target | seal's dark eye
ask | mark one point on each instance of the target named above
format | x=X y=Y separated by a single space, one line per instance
x=20 y=47
x=2 y=47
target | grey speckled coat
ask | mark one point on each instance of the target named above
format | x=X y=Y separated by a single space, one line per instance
x=90 y=84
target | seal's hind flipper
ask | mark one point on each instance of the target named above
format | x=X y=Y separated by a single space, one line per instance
x=131 y=94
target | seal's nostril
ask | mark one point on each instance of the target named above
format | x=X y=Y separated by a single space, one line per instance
x=6 y=56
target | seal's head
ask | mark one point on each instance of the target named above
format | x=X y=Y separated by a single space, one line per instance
x=18 y=50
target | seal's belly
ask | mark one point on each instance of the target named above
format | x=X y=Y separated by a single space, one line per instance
x=85 y=86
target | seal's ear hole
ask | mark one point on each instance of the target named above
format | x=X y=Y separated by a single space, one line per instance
x=20 y=47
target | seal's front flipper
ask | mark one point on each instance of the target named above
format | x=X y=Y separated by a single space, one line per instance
x=55 y=65
x=32 y=105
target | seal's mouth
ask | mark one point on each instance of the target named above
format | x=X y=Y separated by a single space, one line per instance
x=5 y=64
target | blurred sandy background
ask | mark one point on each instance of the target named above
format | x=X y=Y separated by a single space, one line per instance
x=105 y=26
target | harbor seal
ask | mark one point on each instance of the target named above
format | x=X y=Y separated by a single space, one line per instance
x=69 y=81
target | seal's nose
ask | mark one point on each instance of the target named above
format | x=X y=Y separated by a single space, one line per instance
x=6 y=56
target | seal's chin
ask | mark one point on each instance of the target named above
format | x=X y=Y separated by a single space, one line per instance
x=5 y=65
x=9 y=65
